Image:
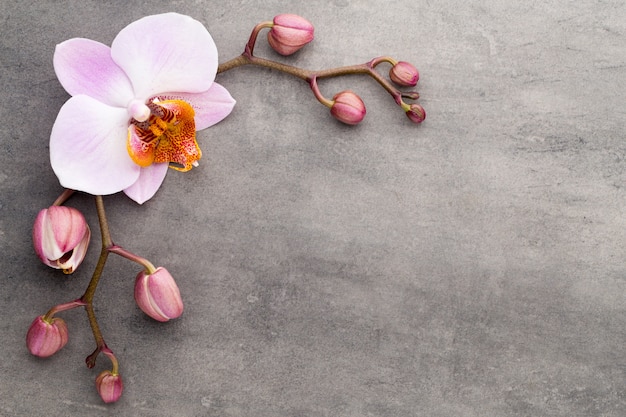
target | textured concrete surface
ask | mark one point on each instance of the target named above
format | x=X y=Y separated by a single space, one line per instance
x=471 y=266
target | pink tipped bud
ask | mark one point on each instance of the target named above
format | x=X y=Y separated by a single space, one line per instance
x=110 y=386
x=61 y=237
x=348 y=108
x=289 y=33
x=416 y=113
x=45 y=337
x=404 y=74
x=157 y=295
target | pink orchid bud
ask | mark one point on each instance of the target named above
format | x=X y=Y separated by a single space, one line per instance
x=157 y=295
x=348 y=108
x=404 y=74
x=110 y=386
x=289 y=33
x=416 y=113
x=45 y=337
x=61 y=237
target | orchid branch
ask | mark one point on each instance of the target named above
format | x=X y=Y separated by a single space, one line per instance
x=160 y=130
x=345 y=106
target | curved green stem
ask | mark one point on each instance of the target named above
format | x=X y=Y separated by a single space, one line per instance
x=318 y=94
x=114 y=363
x=87 y=297
x=311 y=76
x=118 y=250
x=65 y=195
x=255 y=32
x=63 y=307
x=104 y=224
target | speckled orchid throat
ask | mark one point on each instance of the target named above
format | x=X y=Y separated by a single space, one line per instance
x=163 y=131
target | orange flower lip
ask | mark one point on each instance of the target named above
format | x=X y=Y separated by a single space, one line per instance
x=168 y=135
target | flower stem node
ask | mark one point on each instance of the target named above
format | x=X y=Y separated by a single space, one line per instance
x=289 y=33
x=110 y=386
x=157 y=295
x=46 y=336
x=404 y=74
x=61 y=237
x=416 y=113
x=347 y=107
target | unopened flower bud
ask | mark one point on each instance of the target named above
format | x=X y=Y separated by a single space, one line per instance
x=45 y=337
x=157 y=295
x=348 y=108
x=289 y=33
x=61 y=237
x=404 y=74
x=110 y=386
x=416 y=113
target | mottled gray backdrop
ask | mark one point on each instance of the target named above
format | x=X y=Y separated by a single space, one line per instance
x=470 y=266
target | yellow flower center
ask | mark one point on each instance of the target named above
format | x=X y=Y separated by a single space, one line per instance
x=168 y=135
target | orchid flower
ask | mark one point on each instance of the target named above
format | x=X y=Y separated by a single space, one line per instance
x=136 y=106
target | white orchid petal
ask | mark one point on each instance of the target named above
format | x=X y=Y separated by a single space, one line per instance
x=166 y=52
x=148 y=183
x=85 y=67
x=88 y=147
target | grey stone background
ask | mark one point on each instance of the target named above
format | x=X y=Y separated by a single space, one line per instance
x=470 y=266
